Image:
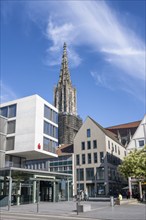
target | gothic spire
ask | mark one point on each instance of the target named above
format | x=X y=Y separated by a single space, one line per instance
x=64 y=72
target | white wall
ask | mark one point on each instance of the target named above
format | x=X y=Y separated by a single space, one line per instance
x=140 y=134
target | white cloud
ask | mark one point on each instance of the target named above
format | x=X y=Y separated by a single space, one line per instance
x=96 y=24
x=6 y=93
x=58 y=35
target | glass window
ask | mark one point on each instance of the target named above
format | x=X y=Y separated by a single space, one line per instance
x=83 y=159
x=12 y=111
x=116 y=148
x=10 y=143
x=77 y=159
x=50 y=129
x=88 y=133
x=101 y=157
x=89 y=173
x=83 y=145
x=89 y=158
x=141 y=143
x=108 y=144
x=4 y=111
x=95 y=157
x=100 y=189
x=50 y=114
x=88 y=145
x=49 y=145
x=80 y=174
x=11 y=127
x=95 y=144
x=100 y=173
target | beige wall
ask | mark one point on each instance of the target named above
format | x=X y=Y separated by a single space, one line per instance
x=102 y=146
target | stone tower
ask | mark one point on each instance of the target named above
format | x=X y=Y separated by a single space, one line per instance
x=65 y=100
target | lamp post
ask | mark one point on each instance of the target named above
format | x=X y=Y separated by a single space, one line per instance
x=10 y=191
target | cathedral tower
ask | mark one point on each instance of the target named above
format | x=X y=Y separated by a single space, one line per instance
x=65 y=100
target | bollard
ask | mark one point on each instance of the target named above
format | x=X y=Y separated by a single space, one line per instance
x=77 y=205
x=112 y=201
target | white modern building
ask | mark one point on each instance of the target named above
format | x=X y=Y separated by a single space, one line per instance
x=97 y=156
x=138 y=140
x=29 y=132
x=32 y=128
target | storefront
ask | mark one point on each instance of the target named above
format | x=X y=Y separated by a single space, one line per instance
x=22 y=186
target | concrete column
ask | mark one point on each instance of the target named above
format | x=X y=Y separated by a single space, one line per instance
x=140 y=190
x=18 y=194
x=10 y=191
x=54 y=191
x=130 y=187
x=67 y=190
x=34 y=192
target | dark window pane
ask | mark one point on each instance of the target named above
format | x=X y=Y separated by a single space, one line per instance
x=11 y=127
x=4 y=111
x=95 y=158
x=100 y=173
x=83 y=159
x=77 y=159
x=10 y=143
x=83 y=145
x=88 y=133
x=88 y=145
x=89 y=173
x=12 y=111
x=80 y=174
x=101 y=157
x=89 y=158
x=95 y=144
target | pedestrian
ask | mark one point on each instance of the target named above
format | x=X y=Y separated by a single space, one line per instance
x=128 y=194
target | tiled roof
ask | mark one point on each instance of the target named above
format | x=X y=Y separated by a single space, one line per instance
x=134 y=124
x=107 y=132
x=64 y=149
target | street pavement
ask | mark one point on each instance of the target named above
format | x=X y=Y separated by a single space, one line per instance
x=67 y=211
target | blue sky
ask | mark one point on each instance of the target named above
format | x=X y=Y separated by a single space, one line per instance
x=106 y=52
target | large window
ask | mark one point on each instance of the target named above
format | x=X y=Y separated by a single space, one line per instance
x=83 y=145
x=50 y=114
x=101 y=157
x=80 y=174
x=8 y=111
x=77 y=159
x=100 y=173
x=50 y=130
x=88 y=145
x=108 y=144
x=88 y=133
x=89 y=173
x=141 y=143
x=95 y=158
x=89 y=158
x=10 y=143
x=49 y=145
x=83 y=159
x=95 y=144
x=11 y=127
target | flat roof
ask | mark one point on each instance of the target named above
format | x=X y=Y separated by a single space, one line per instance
x=37 y=172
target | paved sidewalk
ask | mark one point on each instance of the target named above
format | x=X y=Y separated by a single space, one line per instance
x=99 y=210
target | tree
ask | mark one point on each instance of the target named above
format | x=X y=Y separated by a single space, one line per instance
x=134 y=164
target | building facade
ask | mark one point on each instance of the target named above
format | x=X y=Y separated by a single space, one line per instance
x=124 y=132
x=65 y=101
x=97 y=154
x=3 y=133
x=29 y=133
x=138 y=140
x=32 y=128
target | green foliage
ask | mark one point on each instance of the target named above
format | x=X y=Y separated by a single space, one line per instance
x=134 y=164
